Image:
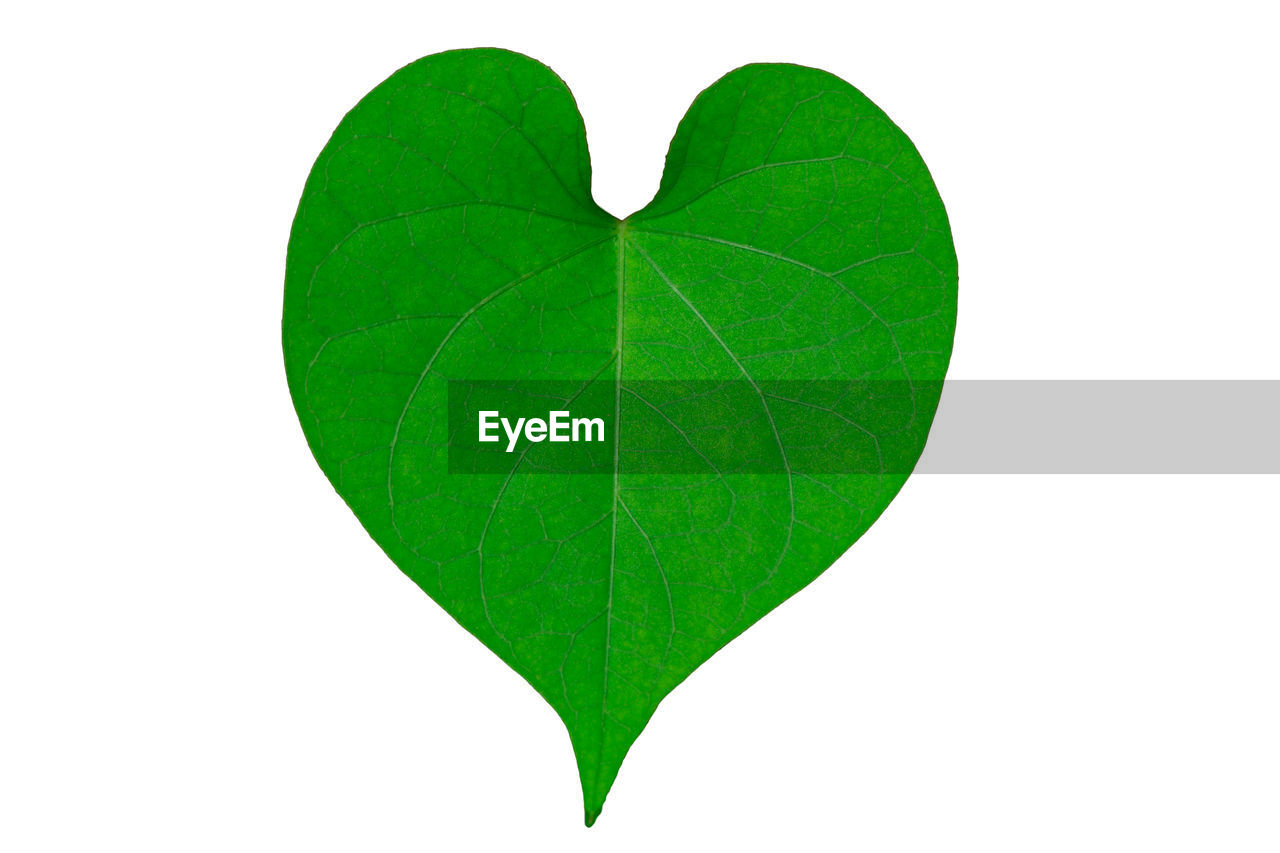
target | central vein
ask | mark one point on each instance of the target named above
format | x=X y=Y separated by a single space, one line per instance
x=617 y=445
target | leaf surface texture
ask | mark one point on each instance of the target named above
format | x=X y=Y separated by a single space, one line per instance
x=447 y=233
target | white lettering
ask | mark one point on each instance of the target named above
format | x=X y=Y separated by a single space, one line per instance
x=559 y=426
x=487 y=423
x=512 y=434
x=587 y=424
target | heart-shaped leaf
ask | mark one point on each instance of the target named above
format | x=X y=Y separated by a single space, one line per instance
x=447 y=238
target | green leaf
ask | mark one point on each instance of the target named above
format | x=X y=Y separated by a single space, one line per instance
x=447 y=235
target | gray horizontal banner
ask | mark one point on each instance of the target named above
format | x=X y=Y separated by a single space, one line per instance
x=1105 y=427
x=727 y=427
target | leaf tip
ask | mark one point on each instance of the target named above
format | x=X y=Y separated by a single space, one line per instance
x=591 y=815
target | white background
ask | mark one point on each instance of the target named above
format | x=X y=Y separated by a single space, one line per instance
x=200 y=649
